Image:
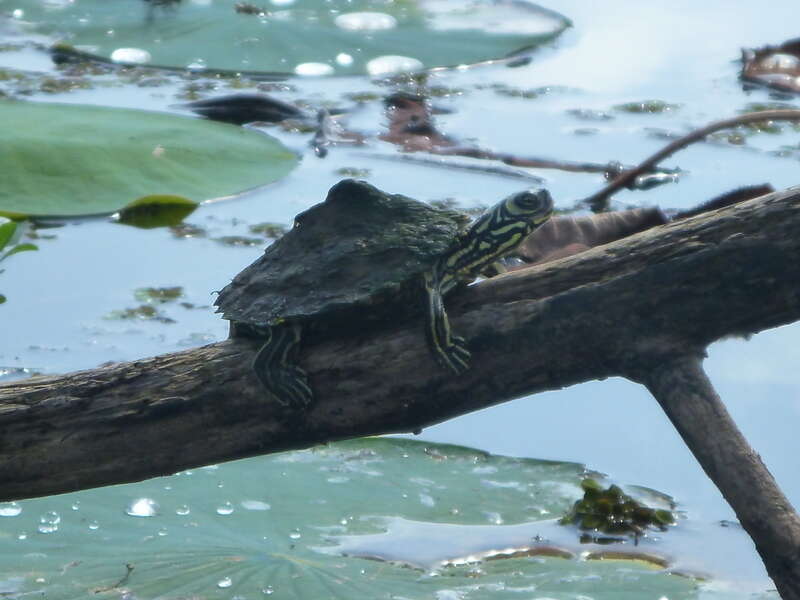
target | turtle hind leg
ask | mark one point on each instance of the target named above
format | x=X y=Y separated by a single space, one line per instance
x=450 y=350
x=275 y=367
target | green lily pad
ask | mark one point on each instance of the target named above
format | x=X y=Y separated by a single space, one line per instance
x=268 y=527
x=72 y=160
x=315 y=37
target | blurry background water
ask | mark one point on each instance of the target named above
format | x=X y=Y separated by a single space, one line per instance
x=681 y=52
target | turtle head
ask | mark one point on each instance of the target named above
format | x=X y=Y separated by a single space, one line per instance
x=534 y=206
x=494 y=235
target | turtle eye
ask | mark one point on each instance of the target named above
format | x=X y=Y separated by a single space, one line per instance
x=534 y=200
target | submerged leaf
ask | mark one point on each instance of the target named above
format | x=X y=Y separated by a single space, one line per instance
x=160 y=210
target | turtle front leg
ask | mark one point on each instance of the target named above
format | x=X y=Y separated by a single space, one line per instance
x=450 y=350
x=275 y=366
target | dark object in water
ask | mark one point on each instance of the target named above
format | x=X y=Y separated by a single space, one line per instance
x=245 y=8
x=777 y=67
x=159 y=6
x=411 y=123
x=612 y=511
x=245 y=108
x=645 y=181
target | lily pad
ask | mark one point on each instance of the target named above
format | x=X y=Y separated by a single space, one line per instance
x=268 y=527
x=72 y=160
x=305 y=37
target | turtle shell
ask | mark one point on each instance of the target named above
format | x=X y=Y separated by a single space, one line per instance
x=359 y=247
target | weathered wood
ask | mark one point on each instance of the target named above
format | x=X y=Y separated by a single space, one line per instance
x=682 y=388
x=618 y=309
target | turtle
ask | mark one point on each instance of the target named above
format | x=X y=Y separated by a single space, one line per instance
x=363 y=257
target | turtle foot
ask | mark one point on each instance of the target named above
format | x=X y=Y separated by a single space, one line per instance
x=288 y=385
x=292 y=387
x=275 y=367
x=454 y=356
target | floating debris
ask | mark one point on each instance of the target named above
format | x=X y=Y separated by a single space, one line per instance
x=777 y=67
x=611 y=511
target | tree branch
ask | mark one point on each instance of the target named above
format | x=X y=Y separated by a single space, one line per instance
x=584 y=317
x=598 y=201
x=682 y=388
x=643 y=307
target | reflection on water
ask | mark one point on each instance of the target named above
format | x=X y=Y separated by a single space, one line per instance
x=690 y=548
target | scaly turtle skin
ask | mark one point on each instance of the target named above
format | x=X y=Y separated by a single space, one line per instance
x=363 y=257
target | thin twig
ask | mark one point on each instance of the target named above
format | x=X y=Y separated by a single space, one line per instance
x=447 y=164
x=521 y=161
x=598 y=200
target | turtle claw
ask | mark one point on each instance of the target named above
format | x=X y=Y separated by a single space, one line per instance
x=293 y=388
x=288 y=386
x=273 y=365
x=455 y=355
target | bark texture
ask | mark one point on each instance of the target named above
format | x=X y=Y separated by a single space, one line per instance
x=627 y=308
x=682 y=388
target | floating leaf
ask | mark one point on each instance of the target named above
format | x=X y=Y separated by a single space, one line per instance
x=158 y=210
x=245 y=108
x=313 y=37
x=162 y=295
x=647 y=106
x=144 y=312
x=71 y=160
x=7 y=230
x=269 y=230
x=279 y=527
x=613 y=511
x=19 y=248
